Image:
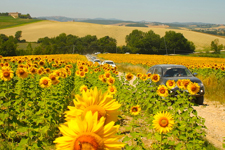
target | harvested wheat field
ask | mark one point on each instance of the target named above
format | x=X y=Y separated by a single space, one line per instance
x=32 y=32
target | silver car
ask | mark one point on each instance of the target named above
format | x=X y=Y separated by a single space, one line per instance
x=175 y=72
x=110 y=62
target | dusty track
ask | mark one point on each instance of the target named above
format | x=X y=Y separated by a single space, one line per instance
x=214 y=115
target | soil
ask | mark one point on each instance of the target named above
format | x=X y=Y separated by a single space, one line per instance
x=214 y=114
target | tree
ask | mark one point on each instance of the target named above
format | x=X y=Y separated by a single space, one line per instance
x=176 y=43
x=107 y=44
x=8 y=48
x=151 y=43
x=29 y=49
x=216 y=47
x=134 y=38
x=18 y=35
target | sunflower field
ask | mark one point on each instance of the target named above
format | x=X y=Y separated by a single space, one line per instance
x=66 y=102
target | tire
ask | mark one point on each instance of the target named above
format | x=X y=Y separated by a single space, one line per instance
x=199 y=100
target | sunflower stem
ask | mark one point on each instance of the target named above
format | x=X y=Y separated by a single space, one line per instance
x=161 y=141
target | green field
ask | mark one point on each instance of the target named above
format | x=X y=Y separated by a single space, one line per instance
x=8 y=21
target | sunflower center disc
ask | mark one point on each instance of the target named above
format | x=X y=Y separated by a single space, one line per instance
x=45 y=82
x=134 y=109
x=193 y=88
x=88 y=141
x=101 y=111
x=162 y=91
x=6 y=74
x=112 y=89
x=163 y=122
x=21 y=72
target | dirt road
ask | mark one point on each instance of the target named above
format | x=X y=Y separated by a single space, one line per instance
x=214 y=115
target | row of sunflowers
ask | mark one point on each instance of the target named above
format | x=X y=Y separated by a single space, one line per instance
x=80 y=105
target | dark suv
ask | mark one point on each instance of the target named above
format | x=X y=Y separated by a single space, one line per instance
x=175 y=72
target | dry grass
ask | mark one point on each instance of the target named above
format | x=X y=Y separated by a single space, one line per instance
x=32 y=32
x=214 y=88
x=131 y=68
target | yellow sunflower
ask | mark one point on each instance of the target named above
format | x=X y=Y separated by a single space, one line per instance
x=54 y=78
x=170 y=84
x=83 y=88
x=193 y=88
x=139 y=75
x=89 y=133
x=41 y=63
x=163 y=122
x=45 y=82
x=6 y=74
x=32 y=70
x=112 y=89
x=149 y=75
x=162 y=91
x=144 y=77
x=179 y=84
x=82 y=74
x=185 y=83
x=94 y=100
x=107 y=74
x=129 y=76
x=77 y=73
x=155 y=77
x=135 y=110
x=111 y=80
x=22 y=73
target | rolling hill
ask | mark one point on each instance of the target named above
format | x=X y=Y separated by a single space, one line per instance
x=32 y=32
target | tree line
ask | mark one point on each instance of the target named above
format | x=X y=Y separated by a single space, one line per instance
x=136 y=42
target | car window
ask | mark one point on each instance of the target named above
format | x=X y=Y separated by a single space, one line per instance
x=177 y=72
x=158 y=70
x=109 y=62
x=151 y=70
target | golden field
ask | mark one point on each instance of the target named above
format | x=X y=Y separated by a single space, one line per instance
x=32 y=32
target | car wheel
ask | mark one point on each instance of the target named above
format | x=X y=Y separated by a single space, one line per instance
x=199 y=100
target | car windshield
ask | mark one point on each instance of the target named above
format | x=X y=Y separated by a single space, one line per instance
x=177 y=72
x=109 y=62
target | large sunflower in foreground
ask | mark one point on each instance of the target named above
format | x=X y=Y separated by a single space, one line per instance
x=163 y=122
x=89 y=133
x=162 y=91
x=193 y=88
x=94 y=100
x=135 y=110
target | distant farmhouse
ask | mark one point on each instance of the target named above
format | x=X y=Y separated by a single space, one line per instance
x=14 y=14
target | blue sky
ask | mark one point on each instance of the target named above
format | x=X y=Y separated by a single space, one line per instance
x=207 y=11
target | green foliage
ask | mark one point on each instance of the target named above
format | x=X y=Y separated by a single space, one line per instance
x=64 y=44
x=136 y=25
x=177 y=43
x=8 y=45
x=18 y=35
x=216 y=47
x=151 y=43
x=30 y=115
x=9 y=21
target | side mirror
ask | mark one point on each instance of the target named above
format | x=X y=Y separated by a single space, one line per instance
x=195 y=74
